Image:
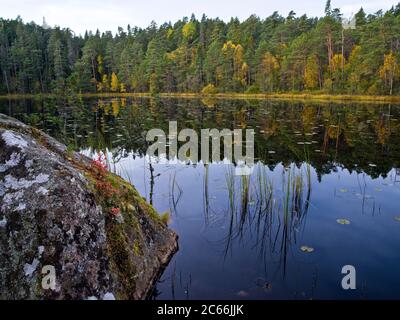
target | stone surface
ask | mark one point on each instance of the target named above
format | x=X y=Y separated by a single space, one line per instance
x=51 y=215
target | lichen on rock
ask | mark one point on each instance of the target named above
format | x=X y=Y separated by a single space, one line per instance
x=53 y=213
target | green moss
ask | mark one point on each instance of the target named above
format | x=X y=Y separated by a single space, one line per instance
x=124 y=240
x=136 y=248
x=165 y=217
x=120 y=258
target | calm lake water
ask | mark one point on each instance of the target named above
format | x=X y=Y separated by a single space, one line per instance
x=248 y=237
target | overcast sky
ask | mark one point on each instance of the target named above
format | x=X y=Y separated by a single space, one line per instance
x=108 y=15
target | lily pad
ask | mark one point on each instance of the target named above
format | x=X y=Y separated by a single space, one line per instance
x=343 y=221
x=307 y=249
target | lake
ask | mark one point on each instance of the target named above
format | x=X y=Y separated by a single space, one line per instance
x=324 y=191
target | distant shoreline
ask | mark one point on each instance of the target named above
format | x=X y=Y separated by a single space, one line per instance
x=246 y=96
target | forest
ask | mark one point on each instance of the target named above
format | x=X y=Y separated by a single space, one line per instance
x=274 y=54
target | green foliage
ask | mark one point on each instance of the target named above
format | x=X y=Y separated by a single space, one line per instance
x=276 y=54
x=254 y=89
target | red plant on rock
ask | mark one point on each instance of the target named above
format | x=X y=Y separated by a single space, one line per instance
x=115 y=211
x=100 y=162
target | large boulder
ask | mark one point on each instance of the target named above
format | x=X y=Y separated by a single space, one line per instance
x=62 y=216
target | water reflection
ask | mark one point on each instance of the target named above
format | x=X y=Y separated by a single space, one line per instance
x=240 y=237
x=357 y=137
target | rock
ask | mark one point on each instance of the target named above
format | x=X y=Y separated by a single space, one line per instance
x=52 y=215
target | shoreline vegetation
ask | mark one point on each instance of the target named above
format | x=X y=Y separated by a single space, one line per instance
x=313 y=97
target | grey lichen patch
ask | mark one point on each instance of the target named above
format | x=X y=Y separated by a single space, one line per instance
x=30 y=268
x=40 y=250
x=11 y=199
x=12 y=183
x=13 y=190
x=43 y=191
x=28 y=164
x=21 y=207
x=13 y=140
x=14 y=160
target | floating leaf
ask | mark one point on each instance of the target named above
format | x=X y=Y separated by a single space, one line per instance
x=343 y=190
x=343 y=221
x=397 y=218
x=242 y=293
x=307 y=249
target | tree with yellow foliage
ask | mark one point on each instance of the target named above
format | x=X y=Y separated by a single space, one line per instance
x=269 y=71
x=337 y=69
x=390 y=71
x=114 y=82
x=354 y=68
x=244 y=76
x=238 y=60
x=311 y=73
x=229 y=66
x=122 y=88
x=103 y=85
x=189 y=30
x=100 y=64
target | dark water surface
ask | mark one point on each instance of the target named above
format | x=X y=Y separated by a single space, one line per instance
x=241 y=237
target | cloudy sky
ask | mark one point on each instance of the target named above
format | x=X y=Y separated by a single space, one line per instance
x=108 y=15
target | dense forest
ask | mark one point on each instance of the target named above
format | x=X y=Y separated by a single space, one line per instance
x=275 y=54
